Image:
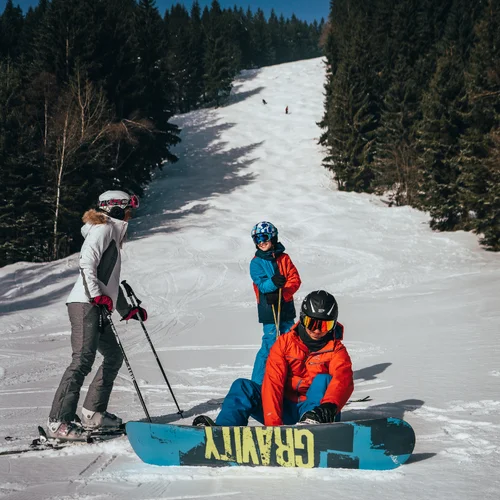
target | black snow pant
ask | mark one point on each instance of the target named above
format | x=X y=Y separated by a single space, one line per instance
x=90 y=332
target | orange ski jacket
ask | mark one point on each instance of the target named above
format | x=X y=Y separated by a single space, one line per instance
x=291 y=367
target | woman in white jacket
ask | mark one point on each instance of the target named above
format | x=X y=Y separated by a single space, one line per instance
x=97 y=286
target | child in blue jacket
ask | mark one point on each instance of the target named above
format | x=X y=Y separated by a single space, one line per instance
x=275 y=280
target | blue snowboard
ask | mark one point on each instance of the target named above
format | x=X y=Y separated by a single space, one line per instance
x=379 y=444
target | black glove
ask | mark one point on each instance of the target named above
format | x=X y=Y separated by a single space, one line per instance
x=323 y=414
x=272 y=298
x=279 y=280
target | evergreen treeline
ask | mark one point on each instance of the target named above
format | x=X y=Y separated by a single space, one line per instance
x=87 y=91
x=413 y=104
x=207 y=49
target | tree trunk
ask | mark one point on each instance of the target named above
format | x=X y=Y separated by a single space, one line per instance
x=58 y=186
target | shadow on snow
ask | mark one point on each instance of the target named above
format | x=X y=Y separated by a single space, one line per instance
x=23 y=282
x=207 y=169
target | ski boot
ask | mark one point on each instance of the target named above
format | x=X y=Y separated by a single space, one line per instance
x=100 y=421
x=203 y=421
x=65 y=431
x=312 y=418
x=309 y=418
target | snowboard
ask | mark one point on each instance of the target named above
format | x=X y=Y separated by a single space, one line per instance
x=378 y=444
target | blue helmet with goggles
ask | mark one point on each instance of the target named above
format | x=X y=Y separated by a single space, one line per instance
x=264 y=231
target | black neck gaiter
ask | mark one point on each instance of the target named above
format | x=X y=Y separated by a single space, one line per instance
x=311 y=344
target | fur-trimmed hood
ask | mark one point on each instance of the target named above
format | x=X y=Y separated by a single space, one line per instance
x=94 y=217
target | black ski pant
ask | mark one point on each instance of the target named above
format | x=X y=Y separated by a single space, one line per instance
x=90 y=332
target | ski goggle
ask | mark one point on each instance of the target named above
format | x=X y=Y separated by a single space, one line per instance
x=261 y=238
x=322 y=325
x=133 y=202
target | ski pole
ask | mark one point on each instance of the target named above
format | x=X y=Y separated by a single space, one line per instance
x=129 y=368
x=135 y=303
x=279 y=312
x=275 y=320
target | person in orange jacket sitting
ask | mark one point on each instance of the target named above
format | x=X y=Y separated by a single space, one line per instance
x=308 y=375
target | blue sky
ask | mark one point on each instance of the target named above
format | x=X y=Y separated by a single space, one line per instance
x=307 y=10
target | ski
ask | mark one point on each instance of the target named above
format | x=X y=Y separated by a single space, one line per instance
x=44 y=443
x=36 y=447
x=361 y=400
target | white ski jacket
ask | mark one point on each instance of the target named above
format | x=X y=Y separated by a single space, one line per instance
x=100 y=260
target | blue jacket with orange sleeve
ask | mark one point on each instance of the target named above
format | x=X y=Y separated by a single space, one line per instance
x=262 y=268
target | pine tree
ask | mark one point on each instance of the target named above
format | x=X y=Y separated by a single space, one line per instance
x=352 y=113
x=335 y=120
x=274 y=38
x=195 y=68
x=232 y=35
x=431 y=20
x=242 y=36
x=154 y=104
x=179 y=37
x=444 y=122
x=219 y=64
x=261 y=41
x=396 y=154
x=68 y=39
x=480 y=145
x=282 y=47
x=218 y=70
x=23 y=214
x=439 y=135
x=33 y=24
x=11 y=25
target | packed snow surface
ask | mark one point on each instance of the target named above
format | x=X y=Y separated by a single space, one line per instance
x=421 y=312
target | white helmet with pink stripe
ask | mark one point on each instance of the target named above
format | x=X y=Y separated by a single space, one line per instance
x=115 y=202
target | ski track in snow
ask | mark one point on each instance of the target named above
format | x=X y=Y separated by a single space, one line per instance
x=420 y=311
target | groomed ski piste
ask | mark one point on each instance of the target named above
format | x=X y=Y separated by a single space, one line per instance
x=420 y=309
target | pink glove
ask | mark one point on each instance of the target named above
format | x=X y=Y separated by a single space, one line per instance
x=103 y=300
x=132 y=314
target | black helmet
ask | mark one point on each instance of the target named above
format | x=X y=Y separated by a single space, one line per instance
x=320 y=305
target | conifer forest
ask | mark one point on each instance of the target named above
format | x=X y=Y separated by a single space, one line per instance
x=413 y=104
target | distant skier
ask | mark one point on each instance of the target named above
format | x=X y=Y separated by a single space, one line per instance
x=286 y=110
x=308 y=374
x=264 y=101
x=272 y=270
x=97 y=286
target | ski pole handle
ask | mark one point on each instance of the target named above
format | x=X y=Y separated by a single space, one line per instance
x=131 y=294
x=128 y=289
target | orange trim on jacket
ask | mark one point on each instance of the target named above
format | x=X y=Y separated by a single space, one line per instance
x=291 y=367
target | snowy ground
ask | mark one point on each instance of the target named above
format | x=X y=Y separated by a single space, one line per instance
x=421 y=312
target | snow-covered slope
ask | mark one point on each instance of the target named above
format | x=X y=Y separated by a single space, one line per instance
x=421 y=312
